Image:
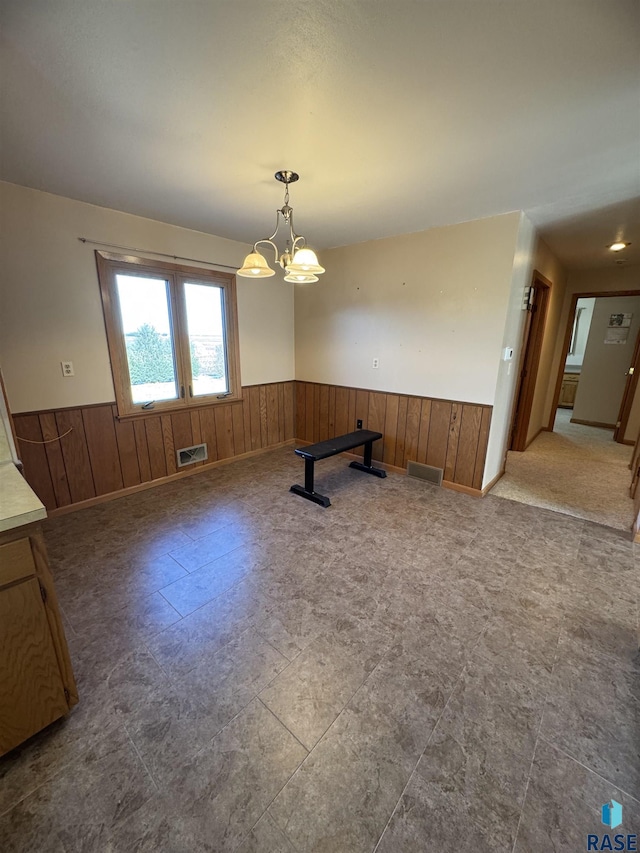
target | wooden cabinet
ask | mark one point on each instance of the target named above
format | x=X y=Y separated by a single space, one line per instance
x=36 y=680
x=568 y=390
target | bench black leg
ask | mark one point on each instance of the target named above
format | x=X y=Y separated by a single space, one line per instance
x=307 y=492
x=366 y=466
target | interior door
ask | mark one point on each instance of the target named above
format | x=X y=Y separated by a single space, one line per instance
x=532 y=348
x=628 y=395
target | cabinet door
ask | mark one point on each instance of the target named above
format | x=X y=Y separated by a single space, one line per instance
x=31 y=689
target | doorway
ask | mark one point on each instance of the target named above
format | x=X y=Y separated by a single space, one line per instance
x=531 y=350
x=599 y=367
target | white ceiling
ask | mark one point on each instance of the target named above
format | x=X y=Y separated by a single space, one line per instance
x=399 y=116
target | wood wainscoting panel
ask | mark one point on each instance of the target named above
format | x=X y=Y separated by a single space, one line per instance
x=451 y=435
x=104 y=455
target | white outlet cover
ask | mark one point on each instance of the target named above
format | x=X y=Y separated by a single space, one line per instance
x=67 y=368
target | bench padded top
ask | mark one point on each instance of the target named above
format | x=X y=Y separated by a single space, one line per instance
x=338 y=444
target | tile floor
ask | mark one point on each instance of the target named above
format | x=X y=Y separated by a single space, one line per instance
x=409 y=670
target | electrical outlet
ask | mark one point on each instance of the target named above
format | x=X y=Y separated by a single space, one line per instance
x=376 y=363
x=358 y=424
x=67 y=368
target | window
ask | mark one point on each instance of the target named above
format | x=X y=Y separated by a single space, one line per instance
x=172 y=333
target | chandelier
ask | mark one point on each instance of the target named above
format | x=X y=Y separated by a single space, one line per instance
x=299 y=262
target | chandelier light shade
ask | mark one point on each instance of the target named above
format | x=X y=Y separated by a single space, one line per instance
x=301 y=278
x=300 y=262
x=255 y=266
x=305 y=261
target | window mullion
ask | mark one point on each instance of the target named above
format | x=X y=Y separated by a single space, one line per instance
x=177 y=313
x=182 y=342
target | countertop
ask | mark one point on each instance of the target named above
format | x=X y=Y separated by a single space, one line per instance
x=18 y=502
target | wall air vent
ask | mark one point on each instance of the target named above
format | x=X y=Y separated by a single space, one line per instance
x=189 y=455
x=425 y=472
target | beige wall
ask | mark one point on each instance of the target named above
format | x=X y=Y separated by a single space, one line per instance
x=546 y=263
x=587 y=281
x=431 y=306
x=436 y=308
x=603 y=376
x=50 y=307
x=507 y=379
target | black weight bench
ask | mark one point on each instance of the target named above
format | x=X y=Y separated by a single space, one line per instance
x=313 y=452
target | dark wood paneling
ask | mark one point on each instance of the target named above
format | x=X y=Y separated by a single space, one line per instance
x=224 y=431
x=196 y=432
x=401 y=429
x=390 y=430
x=289 y=411
x=272 y=415
x=449 y=435
x=423 y=435
x=281 y=417
x=452 y=442
x=127 y=450
x=142 y=448
x=438 y=433
x=182 y=431
x=264 y=417
x=324 y=412
x=362 y=407
x=208 y=433
x=412 y=432
x=470 y=424
x=103 y=449
x=168 y=444
x=300 y=400
x=34 y=458
x=316 y=413
x=102 y=454
x=237 y=420
x=55 y=459
x=76 y=454
x=375 y=420
x=254 y=405
x=342 y=411
x=483 y=441
x=157 y=457
x=308 y=426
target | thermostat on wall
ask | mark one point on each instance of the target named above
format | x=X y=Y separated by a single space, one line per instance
x=508 y=354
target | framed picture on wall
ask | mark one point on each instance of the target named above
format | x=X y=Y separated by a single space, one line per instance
x=620 y=320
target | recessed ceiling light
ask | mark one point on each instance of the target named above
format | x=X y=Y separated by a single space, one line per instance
x=618 y=246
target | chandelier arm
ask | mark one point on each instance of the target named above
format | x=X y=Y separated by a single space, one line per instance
x=269 y=242
x=278 y=212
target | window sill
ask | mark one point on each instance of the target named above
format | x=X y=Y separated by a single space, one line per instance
x=183 y=407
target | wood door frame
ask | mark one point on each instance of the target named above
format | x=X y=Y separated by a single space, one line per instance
x=531 y=348
x=567 y=343
x=630 y=385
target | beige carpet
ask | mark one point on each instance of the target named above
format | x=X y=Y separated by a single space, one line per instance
x=577 y=470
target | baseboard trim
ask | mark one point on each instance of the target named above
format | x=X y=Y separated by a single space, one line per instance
x=151 y=484
x=592 y=423
x=629 y=442
x=465 y=490
x=490 y=485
